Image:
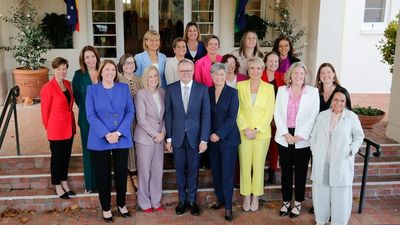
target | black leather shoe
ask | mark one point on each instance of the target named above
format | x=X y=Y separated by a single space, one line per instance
x=216 y=206
x=194 y=209
x=125 y=215
x=284 y=213
x=228 y=215
x=294 y=215
x=64 y=196
x=180 y=208
x=108 y=220
x=71 y=192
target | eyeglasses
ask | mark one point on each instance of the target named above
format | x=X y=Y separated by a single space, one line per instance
x=129 y=63
x=185 y=71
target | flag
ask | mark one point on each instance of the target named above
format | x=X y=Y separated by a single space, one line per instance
x=72 y=15
x=240 y=16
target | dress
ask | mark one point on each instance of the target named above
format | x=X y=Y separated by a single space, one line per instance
x=79 y=83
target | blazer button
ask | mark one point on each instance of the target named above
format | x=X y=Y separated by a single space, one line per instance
x=115 y=115
x=115 y=123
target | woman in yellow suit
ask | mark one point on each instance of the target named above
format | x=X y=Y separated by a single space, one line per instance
x=256 y=107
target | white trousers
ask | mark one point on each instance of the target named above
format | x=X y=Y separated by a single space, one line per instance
x=334 y=202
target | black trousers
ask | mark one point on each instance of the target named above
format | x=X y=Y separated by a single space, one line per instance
x=102 y=165
x=293 y=161
x=59 y=161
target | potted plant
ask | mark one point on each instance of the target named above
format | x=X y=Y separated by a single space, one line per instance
x=27 y=46
x=368 y=116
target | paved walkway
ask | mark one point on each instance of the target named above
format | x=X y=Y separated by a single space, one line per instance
x=377 y=211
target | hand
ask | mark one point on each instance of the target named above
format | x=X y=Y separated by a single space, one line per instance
x=250 y=133
x=112 y=137
x=159 y=137
x=214 y=137
x=289 y=139
x=202 y=147
x=168 y=146
x=297 y=138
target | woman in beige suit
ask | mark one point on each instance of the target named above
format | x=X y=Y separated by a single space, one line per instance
x=149 y=140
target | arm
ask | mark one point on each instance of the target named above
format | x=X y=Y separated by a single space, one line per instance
x=264 y=122
x=169 y=71
x=358 y=135
x=197 y=71
x=230 y=120
x=168 y=119
x=241 y=119
x=313 y=111
x=95 y=123
x=45 y=105
x=75 y=87
x=141 y=109
x=125 y=125
x=280 y=121
x=205 y=116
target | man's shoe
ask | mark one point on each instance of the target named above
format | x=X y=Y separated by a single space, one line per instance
x=180 y=208
x=216 y=206
x=228 y=215
x=194 y=209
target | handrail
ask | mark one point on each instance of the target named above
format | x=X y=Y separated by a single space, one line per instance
x=11 y=101
x=366 y=156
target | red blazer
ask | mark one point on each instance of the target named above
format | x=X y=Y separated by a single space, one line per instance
x=279 y=78
x=57 y=115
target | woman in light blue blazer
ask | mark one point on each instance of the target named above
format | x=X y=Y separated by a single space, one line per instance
x=335 y=141
x=151 y=56
x=110 y=111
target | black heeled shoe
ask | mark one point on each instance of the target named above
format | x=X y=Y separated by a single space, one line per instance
x=108 y=220
x=294 y=215
x=71 y=192
x=125 y=215
x=216 y=206
x=63 y=196
x=287 y=206
x=228 y=215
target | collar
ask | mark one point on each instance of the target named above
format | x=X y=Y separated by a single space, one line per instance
x=189 y=84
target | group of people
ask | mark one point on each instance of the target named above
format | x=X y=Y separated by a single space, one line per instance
x=244 y=106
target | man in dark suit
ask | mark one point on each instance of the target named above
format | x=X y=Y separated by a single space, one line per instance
x=187 y=121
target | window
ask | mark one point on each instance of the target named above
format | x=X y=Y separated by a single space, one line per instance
x=203 y=14
x=374 y=11
x=253 y=7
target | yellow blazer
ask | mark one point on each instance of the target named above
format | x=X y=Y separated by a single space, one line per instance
x=258 y=116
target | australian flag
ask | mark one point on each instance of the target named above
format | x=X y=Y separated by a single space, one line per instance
x=72 y=15
x=240 y=17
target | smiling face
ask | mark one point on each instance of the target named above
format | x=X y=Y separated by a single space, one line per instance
x=251 y=40
x=108 y=73
x=180 y=49
x=185 y=71
x=212 y=46
x=153 y=43
x=192 y=33
x=90 y=59
x=272 y=62
x=326 y=75
x=153 y=79
x=338 y=102
x=231 y=65
x=219 y=78
x=255 y=71
x=284 y=48
x=298 y=76
x=60 y=72
x=129 y=66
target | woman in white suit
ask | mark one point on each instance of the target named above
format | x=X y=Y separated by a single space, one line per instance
x=297 y=107
x=335 y=141
x=149 y=140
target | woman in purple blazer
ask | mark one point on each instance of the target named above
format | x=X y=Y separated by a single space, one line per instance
x=149 y=140
x=110 y=110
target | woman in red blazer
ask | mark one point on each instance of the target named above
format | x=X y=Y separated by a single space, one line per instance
x=58 y=119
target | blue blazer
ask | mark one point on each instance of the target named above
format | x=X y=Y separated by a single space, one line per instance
x=201 y=51
x=106 y=116
x=143 y=61
x=196 y=122
x=223 y=116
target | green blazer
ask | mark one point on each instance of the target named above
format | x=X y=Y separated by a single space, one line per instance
x=79 y=84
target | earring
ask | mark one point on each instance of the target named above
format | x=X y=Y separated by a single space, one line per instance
x=319 y=82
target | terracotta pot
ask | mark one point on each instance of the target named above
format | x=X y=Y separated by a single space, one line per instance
x=30 y=81
x=367 y=122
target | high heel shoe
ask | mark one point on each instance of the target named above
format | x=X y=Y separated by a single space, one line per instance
x=125 y=215
x=285 y=205
x=228 y=215
x=297 y=207
x=63 y=196
x=108 y=219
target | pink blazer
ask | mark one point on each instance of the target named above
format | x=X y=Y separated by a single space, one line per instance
x=149 y=120
x=202 y=70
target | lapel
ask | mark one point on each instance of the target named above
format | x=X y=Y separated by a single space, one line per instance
x=60 y=92
x=222 y=95
x=326 y=123
x=68 y=86
x=147 y=58
x=342 y=120
x=193 y=95
x=260 y=93
x=103 y=95
x=247 y=91
x=153 y=105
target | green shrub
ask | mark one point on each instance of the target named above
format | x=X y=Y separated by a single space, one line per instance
x=367 y=111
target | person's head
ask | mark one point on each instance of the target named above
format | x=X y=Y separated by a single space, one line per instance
x=296 y=74
x=185 y=71
x=231 y=62
x=326 y=74
x=283 y=46
x=218 y=74
x=151 y=41
x=127 y=64
x=212 y=44
x=340 y=100
x=192 y=32
x=107 y=71
x=271 y=61
x=60 y=67
x=255 y=68
x=179 y=46
x=150 y=78
x=249 y=40
x=89 y=58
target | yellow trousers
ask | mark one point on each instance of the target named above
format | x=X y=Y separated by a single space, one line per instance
x=252 y=154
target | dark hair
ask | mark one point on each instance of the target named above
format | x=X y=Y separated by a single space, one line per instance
x=176 y=41
x=123 y=59
x=82 y=63
x=208 y=39
x=256 y=51
x=346 y=94
x=318 y=82
x=57 y=62
x=292 y=57
x=102 y=65
x=237 y=64
x=185 y=36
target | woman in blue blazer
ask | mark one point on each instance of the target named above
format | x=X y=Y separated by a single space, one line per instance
x=224 y=138
x=110 y=110
x=151 y=56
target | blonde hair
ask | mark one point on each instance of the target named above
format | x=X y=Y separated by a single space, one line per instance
x=289 y=72
x=145 y=77
x=147 y=36
x=255 y=60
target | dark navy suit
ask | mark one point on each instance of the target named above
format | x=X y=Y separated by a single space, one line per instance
x=223 y=153
x=186 y=131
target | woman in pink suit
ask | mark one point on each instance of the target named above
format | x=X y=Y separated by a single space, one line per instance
x=149 y=140
x=58 y=119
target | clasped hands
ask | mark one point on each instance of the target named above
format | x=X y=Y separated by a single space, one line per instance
x=251 y=134
x=202 y=147
x=112 y=137
x=159 y=137
x=291 y=140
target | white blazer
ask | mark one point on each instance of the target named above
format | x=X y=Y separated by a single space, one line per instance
x=305 y=119
x=344 y=143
